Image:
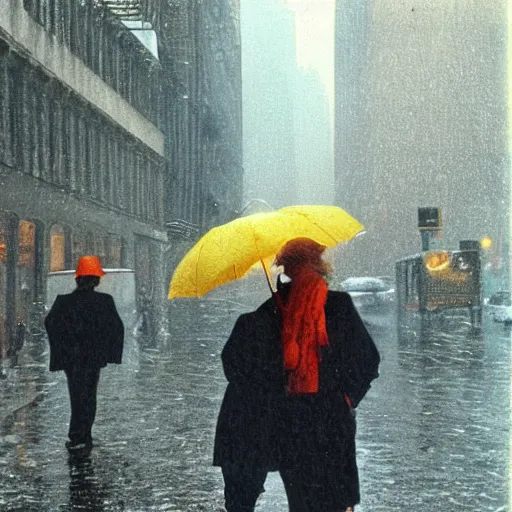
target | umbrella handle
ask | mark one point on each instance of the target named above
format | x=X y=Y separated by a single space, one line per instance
x=275 y=294
x=266 y=275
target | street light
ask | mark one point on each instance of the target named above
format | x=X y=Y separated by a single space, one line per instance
x=486 y=242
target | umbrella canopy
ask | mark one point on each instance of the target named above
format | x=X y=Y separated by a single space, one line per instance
x=229 y=251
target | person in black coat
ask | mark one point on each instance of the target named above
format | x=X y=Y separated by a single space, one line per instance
x=295 y=378
x=85 y=333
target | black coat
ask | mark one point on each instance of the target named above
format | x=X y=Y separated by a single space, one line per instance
x=84 y=328
x=259 y=425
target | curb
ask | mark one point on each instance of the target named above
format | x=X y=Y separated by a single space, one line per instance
x=15 y=393
x=9 y=411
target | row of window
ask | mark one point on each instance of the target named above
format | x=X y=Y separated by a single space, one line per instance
x=28 y=252
x=60 y=140
x=106 y=46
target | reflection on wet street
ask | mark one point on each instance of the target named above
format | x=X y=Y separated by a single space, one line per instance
x=433 y=431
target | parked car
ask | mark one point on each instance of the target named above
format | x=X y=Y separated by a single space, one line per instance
x=499 y=307
x=369 y=292
x=389 y=280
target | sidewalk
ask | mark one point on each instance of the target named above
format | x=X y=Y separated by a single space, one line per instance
x=22 y=378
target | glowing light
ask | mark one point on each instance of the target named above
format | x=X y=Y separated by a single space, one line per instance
x=436 y=261
x=486 y=243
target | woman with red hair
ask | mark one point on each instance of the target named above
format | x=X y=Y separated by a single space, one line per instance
x=297 y=367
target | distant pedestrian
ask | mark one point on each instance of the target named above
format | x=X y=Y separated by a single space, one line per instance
x=85 y=333
x=296 y=368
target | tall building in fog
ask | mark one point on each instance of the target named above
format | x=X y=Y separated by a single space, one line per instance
x=268 y=74
x=313 y=141
x=286 y=123
x=421 y=120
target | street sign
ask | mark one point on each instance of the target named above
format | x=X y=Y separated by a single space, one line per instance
x=429 y=218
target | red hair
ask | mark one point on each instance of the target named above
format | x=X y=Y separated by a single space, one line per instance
x=303 y=251
x=303 y=316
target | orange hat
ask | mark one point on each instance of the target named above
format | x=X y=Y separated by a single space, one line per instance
x=89 y=266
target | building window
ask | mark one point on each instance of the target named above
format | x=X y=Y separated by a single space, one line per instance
x=26 y=284
x=78 y=248
x=57 y=248
x=114 y=250
x=99 y=248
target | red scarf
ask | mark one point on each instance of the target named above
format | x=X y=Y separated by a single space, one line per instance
x=303 y=329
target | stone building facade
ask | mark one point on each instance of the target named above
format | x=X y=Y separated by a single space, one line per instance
x=95 y=151
x=201 y=41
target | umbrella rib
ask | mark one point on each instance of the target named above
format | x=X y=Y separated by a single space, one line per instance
x=318 y=226
x=236 y=243
x=197 y=268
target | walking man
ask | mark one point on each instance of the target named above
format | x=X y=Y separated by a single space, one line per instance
x=85 y=333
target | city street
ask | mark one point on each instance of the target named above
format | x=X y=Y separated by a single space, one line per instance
x=433 y=431
x=177 y=145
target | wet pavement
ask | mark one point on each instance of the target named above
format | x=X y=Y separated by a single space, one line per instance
x=433 y=432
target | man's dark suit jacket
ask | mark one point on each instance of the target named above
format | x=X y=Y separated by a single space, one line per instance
x=84 y=328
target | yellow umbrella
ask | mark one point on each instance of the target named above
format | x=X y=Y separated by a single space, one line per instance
x=229 y=251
